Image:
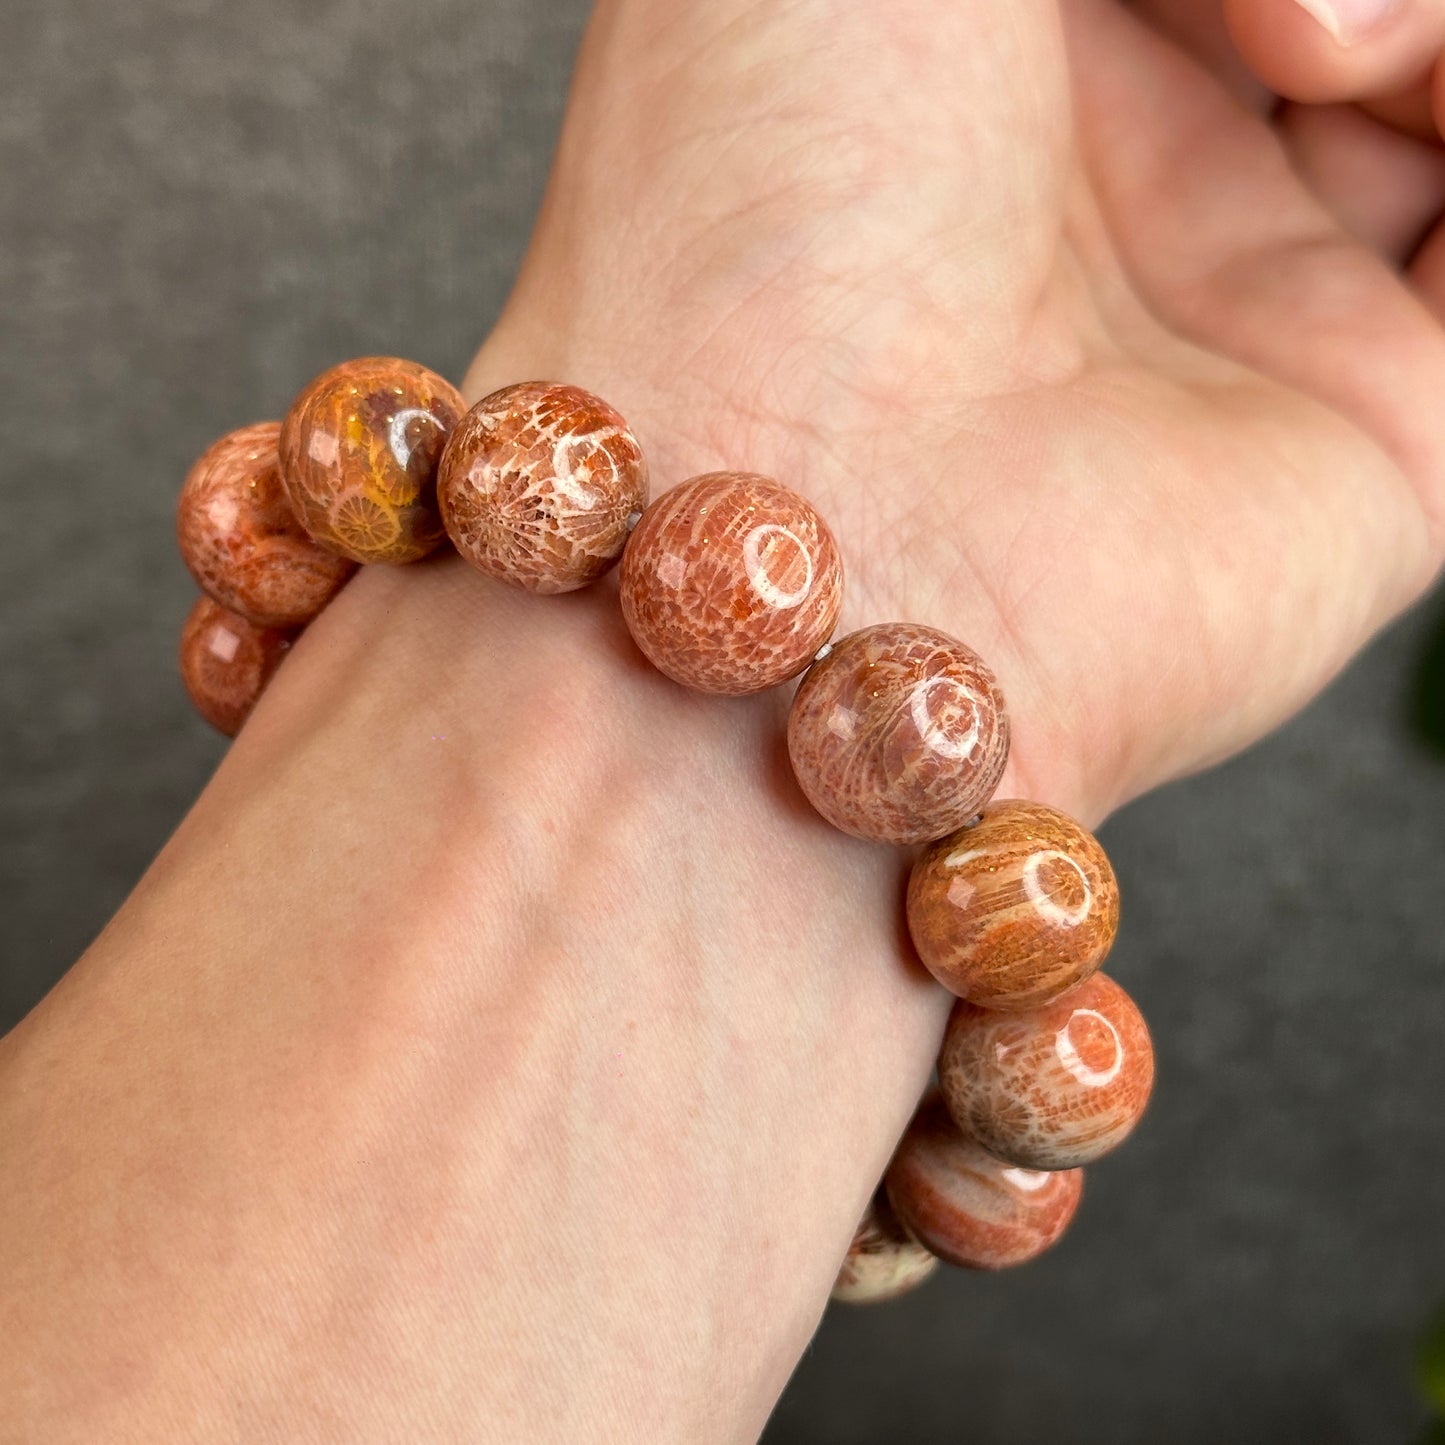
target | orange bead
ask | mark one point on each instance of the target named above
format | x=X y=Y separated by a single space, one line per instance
x=539 y=485
x=731 y=583
x=899 y=734
x=359 y=453
x=1053 y=1088
x=884 y=1260
x=1011 y=912
x=226 y=662
x=241 y=541
x=969 y=1208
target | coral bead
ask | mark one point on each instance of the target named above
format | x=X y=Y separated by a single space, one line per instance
x=1014 y=910
x=731 y=583
x=899 y=734
x=539 y=484
x=884 y=1260
x=227 y=661
x=241 y=541
x=969 y=1208
x=359 y=453
x=1053 y=1088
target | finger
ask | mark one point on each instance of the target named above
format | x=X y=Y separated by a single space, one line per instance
x=1383 y=187
x=1428 y=271
x=1321 y=458
x=1198 y=28
x=1244 y=261
x=1411 y=110
x=1332 y=50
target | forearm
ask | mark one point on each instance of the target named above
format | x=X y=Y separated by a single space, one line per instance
x=501 y=1049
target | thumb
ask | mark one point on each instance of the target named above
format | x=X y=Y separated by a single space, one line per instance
x=1340 y=50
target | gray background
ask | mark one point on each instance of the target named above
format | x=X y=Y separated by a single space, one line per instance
x=204 y=204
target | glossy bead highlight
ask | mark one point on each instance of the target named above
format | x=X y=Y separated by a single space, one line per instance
x=969 y=1208
x=1013 y=911
x=899 y=734
x=884 y=1260
x=731 y=583
x=226 y=662
x=240 y=539
x=537 y=486
x=359 y=453
x=1053 y=1088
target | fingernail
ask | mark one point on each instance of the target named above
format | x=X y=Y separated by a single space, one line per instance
x=1350 y=21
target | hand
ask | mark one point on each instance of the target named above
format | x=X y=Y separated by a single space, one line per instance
x=1043 y=318
x=511 y=1061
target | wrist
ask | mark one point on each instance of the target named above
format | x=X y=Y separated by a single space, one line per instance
x=575 y=951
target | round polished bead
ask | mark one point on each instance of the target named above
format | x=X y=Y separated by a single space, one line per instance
x=969 y=1208
x=731 y=583
x=240 y=539
x=1053 y=1088
x=1014 y=910
x=539 y=484
x=226 y=662
x=899 y=734
x=359 y=453
x=884 y=1260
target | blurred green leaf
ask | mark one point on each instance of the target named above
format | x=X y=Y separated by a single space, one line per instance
x=1427 y=702
x=1430 y=1367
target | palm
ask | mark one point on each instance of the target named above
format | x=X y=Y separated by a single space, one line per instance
x=1041 y=318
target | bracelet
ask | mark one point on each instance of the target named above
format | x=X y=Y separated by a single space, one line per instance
x=729 y=583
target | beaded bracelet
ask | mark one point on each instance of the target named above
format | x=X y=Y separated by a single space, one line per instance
x=730 y=583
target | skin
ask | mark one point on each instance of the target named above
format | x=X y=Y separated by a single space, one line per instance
x=443 y=1077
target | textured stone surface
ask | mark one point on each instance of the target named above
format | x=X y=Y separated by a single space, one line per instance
x=972 y=1209
x=538 y=484
x=1052 y=1088
x=884 y=1260
x=240 y=539
x=731 y=583
x=1015 y=909
x=227 y=661
x=899 y=734
x=359 y=453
